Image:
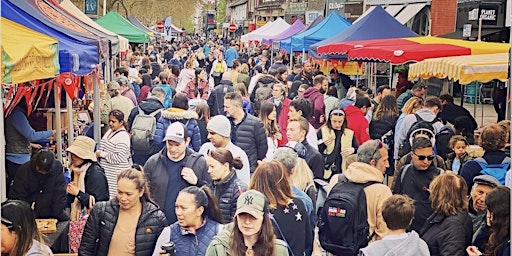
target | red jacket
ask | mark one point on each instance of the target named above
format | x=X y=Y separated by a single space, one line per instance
x=282 y=119
x=357 y=123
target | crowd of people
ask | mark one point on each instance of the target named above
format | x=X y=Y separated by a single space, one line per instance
x=210 y=146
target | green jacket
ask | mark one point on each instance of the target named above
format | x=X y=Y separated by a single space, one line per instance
x=451 y=156
x=220 y=244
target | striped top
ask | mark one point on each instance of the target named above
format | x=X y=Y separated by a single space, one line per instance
x=115 y=156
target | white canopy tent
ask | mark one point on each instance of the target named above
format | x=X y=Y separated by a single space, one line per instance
x=246 y=38
x=276 y=28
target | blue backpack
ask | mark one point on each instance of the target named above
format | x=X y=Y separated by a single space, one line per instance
x=498 y=171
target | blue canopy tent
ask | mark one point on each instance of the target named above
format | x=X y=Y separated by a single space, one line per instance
x=330 y=26
x=378 y=24
x=285 y=43
x=77 y=54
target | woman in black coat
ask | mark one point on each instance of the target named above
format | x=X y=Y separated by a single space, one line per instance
x=226 y=185
x=383 y=124
x=129 y=223
x=448 y=231
x=88 y=182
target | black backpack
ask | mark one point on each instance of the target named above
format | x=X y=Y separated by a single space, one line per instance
x=419 y=127
x=343 y=222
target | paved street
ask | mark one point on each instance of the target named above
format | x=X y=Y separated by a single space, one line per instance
x=489 y=115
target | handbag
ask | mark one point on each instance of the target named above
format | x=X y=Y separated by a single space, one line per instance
x=76 y=228
x=216 y=74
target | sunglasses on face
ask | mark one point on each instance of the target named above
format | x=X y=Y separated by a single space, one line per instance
x=422 y=157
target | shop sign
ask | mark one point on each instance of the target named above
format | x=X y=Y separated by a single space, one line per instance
x=489 y=14
x=312 y=15
x=297 y=7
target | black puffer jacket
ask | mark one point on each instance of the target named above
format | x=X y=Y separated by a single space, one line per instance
x=448 y=235
x=102 y=221
x=380 y=127
x=250 y=136
x=95 y=185
x=46 y=192
x=227 y=192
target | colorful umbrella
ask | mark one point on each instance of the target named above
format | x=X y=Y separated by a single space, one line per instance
x=414 y=49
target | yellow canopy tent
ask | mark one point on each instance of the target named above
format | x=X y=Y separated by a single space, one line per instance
x=464 y=69
x=26 y=54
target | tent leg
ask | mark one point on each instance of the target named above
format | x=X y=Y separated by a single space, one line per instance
x=390 y=75
x=3 y=183
x=58 y=121
x=69 y=107
x=462 y=89
x=96 y=112
x=476 y=99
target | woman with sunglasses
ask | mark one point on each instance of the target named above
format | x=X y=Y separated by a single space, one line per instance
x=19 y=231
x=336 y=142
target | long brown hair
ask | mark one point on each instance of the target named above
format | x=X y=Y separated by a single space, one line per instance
x=263 y=247
x=448 y=194
x=387 y=106
x=498 y=204
x=271 y=179
x=271 y=127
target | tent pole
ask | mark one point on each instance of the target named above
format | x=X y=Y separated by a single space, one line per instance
x=291 y=57
x=58 y=121
x=96 y=112
x=476 y=99
x=390 y=75
x=3 y=183
x=69 y=107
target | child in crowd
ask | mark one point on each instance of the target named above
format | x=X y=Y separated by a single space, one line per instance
x=398 y=211
x=458 y=144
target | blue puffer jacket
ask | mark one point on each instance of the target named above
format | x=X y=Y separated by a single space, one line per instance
x=187 y=117
x=188 y=243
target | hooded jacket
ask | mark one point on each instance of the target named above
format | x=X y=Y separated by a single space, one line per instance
x=102 y=222
x=216 y=99
x=316 y=99
x=410 y=245
x=46 y=192
x=187 y=117
x=220 y=244
x=357 y=123
x=376 y=194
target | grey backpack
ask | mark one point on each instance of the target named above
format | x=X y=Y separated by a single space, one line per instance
x=143 y=130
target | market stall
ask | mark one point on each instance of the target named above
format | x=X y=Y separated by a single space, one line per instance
x=20 y=46
x=116 y=23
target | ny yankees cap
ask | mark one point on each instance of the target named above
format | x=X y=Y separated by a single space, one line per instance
x=251 y=202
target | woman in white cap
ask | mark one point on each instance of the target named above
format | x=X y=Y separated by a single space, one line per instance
x=88 y=182
x=251 y=232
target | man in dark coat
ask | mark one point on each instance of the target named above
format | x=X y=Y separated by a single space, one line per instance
x=304 y=77
x=40 y=182
x=216 y=99
x=247 y=131
x=315 y=96
x=451 y=111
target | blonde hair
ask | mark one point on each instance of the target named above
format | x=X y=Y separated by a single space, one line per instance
x=244 y=69
x=412 y=105
x=302 y=176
